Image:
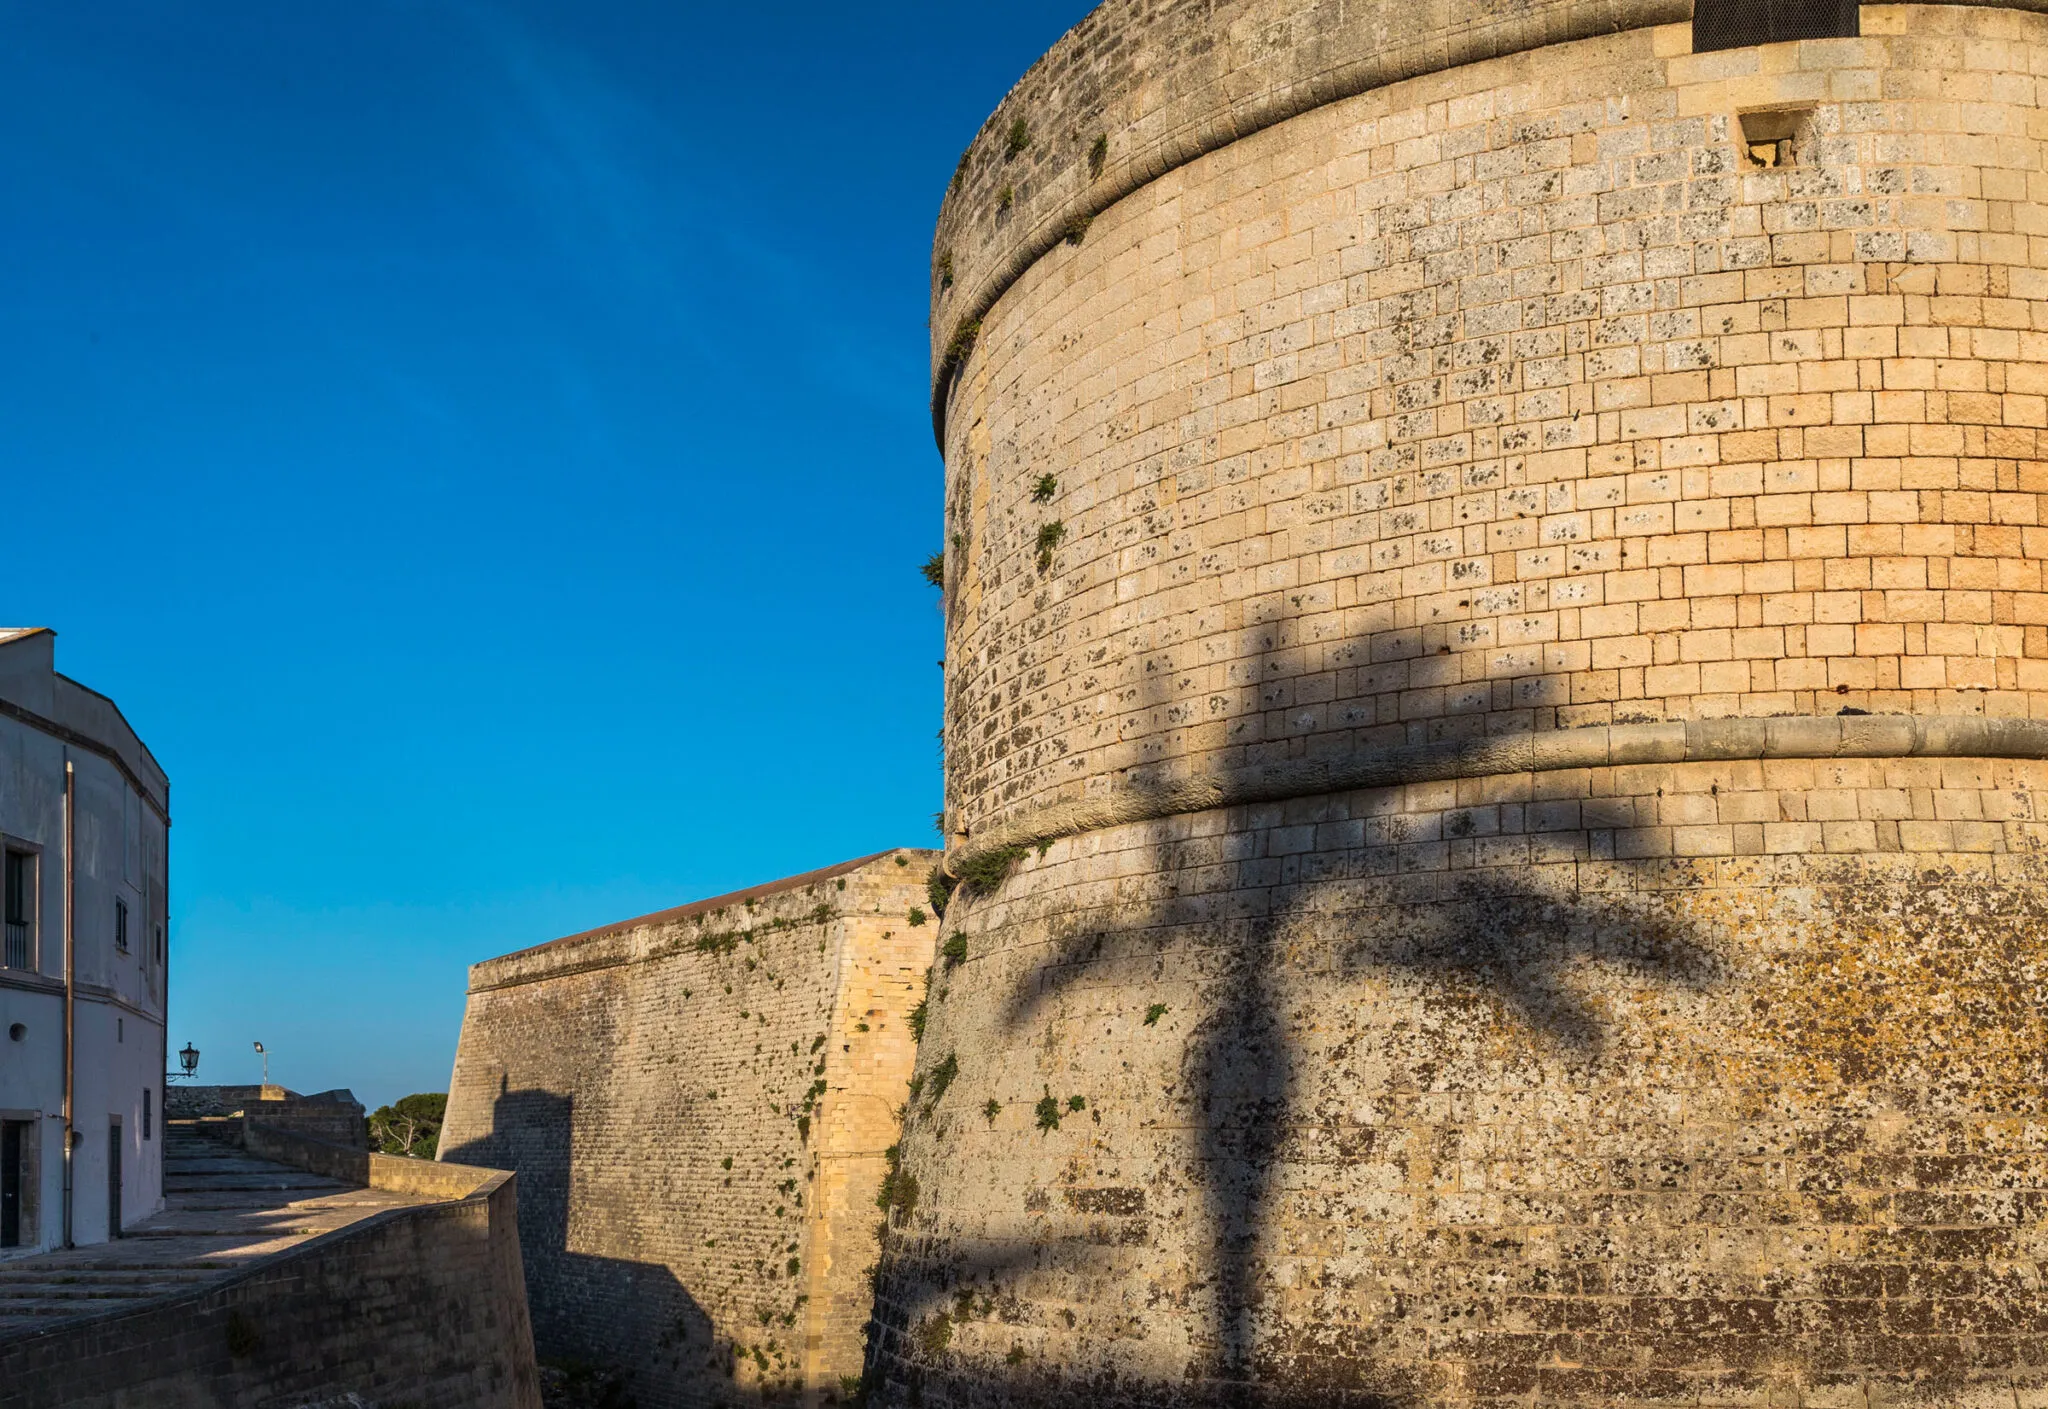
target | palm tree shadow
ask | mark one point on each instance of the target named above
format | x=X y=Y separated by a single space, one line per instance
x=1498 y=935
x=1528 y=951
x=1525 y=956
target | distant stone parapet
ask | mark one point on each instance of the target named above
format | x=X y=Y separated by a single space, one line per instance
x=335 y=1116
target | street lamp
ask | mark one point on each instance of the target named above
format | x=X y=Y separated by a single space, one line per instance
x=189 y=1059
x=266 y=1062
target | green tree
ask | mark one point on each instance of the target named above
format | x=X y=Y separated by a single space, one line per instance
x=410 y=1125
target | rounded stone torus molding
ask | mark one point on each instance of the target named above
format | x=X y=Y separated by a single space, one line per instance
x=1594 y=746
x=1495 y=620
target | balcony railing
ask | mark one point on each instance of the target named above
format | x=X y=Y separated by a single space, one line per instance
x=17 y=955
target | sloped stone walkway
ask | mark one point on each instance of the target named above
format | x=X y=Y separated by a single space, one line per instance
x=223 y=1210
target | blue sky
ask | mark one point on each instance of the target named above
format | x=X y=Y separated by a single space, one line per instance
x=484 y=450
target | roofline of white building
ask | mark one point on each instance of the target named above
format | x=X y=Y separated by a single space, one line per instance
x=79 y=716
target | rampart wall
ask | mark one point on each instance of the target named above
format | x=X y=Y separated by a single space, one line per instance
x=699 y=1105
x=1495 y=628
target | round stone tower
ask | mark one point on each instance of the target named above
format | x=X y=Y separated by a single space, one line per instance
x=1495 y=629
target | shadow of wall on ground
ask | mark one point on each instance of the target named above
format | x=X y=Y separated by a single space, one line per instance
x=613 y=1316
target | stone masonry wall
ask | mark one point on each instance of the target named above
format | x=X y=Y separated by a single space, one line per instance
x=698 y=1106
x=1701 y=1083
x=1513 y=398
x=421 y=1306
x=1496 y=676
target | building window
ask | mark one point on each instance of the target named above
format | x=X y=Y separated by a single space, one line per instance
x=146 y=1126
x=18 y=909
x=121 y=925
x=1737 y=24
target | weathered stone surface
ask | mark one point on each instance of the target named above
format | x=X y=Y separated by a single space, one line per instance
x=698 y=1105
x=1518 y=610
x=1511 y=399
x=304 y=1275
x=1699 y=1083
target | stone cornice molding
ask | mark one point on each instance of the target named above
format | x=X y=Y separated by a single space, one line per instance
x=1600 y=746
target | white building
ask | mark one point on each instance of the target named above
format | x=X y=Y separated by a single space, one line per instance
x=84 y=812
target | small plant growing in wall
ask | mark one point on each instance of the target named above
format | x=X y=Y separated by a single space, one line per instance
x=938 y=889
x=1005 y=198
x=899 y=1186
x=1077 y=1103
x=1076 y=228
x=935 y=1335
x=955 y=948
x=962 y=341
x=1050 y=536
x=945 y=267
x=934 y=569
x=1154 y=1013
x=917 y=1019
x=243 y=1341
x=993 y=1109
x=942 y=1078
x=1043 y=491
x=1098 y=155
x=987 y=870
x=1017 y=140
x=917 y=917
x=1048 y=1112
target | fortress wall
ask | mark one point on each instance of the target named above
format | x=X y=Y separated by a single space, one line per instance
x=1161 y=83
x=1708 y=1083
x=697 y=1106
x=1516 y=398
x=1480 y=416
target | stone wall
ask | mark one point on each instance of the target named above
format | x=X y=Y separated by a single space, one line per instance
x=699 y=1104
x=335 y=1116
x=1517 y=398
x=1671 y=1083
x=420 y=1306
x=1426 y=572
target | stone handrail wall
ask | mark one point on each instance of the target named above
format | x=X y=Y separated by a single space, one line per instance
x=399 y=1175
x=424 y=1304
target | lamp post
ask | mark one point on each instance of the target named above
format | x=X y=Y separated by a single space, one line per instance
x=189 y=1060
x=266 y=1062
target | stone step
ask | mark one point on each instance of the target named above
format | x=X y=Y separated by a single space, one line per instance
x=243 y=1183
x=13 y=1298
x=238 y=1230
x=29 y=1313
x=82 y=1268
x=59 y=1277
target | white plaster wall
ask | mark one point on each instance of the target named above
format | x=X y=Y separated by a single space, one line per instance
x=121 y=851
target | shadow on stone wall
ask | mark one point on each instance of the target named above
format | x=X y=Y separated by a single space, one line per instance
x=1491 y=941
x=633 y=1320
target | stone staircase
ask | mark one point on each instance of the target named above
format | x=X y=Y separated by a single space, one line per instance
x=223 y=1210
